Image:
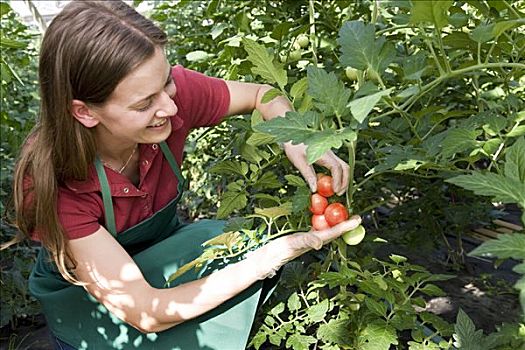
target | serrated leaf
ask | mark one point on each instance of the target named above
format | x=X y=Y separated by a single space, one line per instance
x=277 y=309
x=300 y=342
x=238 y=224
x=230 y=167
x=226 y=239
x=398 y=259
x=295 y=180
x=301 y=199
x=378 y=337
x=259 y=139
x=294 y=302
x=335 y=331
x=515 y=161
x=263 y=63
x=320 y=142
x=316 y=313
x=433 y=290
x=466 y=336
x=432 y=11
x=299 y=88
x=355 y=38
x=258 y=340
x=275 y=212
x=271 y=94
x=361 y=107
x=520 y=268
x=376 y=307
x=231 y=201
x=268 y=180
x=509 y=245
x=293 y=126
x=499 y=187
x=459 y=140
x=328 y=91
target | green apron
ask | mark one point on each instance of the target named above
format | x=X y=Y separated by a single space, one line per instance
x=78 y=319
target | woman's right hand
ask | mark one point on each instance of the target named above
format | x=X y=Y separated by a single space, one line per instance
x=271 y=257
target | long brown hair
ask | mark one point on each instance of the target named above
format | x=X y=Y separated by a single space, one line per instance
x=89 y=47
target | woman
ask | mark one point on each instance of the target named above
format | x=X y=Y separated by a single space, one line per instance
x=98 y=181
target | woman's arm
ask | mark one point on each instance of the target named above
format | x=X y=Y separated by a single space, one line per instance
x=113 y=278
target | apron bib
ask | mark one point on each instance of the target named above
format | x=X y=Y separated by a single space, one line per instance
x=159 y=245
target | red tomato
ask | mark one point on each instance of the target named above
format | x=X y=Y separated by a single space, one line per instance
x=324 y=186
x=335 y=213
x=318 y=204
x=319 y=222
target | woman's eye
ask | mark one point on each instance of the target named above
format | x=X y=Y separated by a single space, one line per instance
x=145 y=108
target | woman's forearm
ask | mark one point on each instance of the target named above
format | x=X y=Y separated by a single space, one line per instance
x=166 y=308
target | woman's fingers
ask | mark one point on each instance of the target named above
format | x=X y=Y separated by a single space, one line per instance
x=297 y=155
x=339 y=170
x=338 y=230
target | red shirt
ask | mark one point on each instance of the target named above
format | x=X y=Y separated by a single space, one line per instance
x=201 y=101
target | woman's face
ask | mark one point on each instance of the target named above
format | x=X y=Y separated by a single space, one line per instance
x=139 y=108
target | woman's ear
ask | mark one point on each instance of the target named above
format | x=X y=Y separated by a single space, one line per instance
x=83 y=114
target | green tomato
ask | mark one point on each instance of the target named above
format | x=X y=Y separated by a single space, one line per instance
x=295 y=55
x=351 y=73
x=303 y=40
x=354 y=236
x=373 y=75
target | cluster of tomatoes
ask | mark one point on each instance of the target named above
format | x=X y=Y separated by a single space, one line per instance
x=326 y=215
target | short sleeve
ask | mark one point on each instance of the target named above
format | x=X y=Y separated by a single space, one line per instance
x=202 y=100
x=80 y=214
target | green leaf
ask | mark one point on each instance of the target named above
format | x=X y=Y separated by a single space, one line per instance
x=508 y=245
x=361 y=107
x=299 y=88
x=316 y=313
x=515 y=161
x=378 y=337
x=259 y=139
x=376 y=307
x=198 y=55
x=301 y=199
x=398 y=259
x=433 y=11
x=263 y=63
x=293 y=126
x=499 y=187
x=328 y=91
x=7 y=43
x=294 y=302
x=466 y=336
x=4 y=8
x=433 y=290
x=258 y=340
x=271 y=94
x=520 y=268
x=275 y=212
x=517 y=131
x=231 y=201
x=335 y=332
x=295 y=180
x=459 y=140
x=357 y=44
x=267 y=181
x=321 y=142
x=281 y=30
x=230 y=167
x=300 y=342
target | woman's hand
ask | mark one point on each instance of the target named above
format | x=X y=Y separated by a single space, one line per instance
x=271 y=257
x=338 y=168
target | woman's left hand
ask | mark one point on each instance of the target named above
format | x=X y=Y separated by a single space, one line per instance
x=339 y=169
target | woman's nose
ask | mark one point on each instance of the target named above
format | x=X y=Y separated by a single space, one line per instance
x=167 y=108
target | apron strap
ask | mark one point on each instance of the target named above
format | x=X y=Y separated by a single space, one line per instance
x=106 y=192
x=106 y=197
